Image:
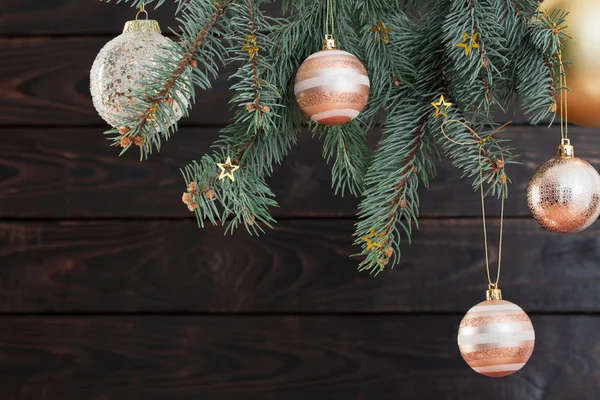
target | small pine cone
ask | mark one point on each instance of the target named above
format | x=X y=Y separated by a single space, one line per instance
x=192 y=187
x=553 y=107
x=556 y=31
x=266 y=109
x=187 y=198
x=169 y=101
x=383 y=263
x=396 y=82
x=388 y=252
x=403 y=204
x=138 y=140
x=486 y=63
x=502 y=179
x=250 y=220
x=192 y=207
x=249 y=107
x=123 y=130
x=210 y=194
x=415 y=169
x=125 y=141
x=500 y=164
x=194 y=63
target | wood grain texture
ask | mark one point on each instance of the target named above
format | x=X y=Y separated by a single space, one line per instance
x=45 y=81
x=73 y=173
x=291 y=358
x=303 y=266
x=77 y=17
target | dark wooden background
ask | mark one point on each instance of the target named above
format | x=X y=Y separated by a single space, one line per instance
x=108 y=291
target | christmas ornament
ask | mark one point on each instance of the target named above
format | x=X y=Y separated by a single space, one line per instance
x=382 y=32
x=564 y=193
x=441 y=107
x=469 y=43
x=123 y=65
x=496 y=337
x=227 y=170
x=372 y=239
x=584 y=52
x=332 y=86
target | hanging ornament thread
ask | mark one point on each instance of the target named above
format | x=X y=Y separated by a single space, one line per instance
x=496 y=337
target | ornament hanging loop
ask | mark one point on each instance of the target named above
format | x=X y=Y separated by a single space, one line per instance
x=142 y=10
x=493 y=293
x=566 y=149
x=329 y=43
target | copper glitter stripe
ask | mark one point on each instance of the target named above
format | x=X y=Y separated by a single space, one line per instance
x=502 y=352
x=496 y=319
x=322 y=64
x=329 y=97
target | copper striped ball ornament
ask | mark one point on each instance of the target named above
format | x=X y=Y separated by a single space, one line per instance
x=332 y=86
x=496 y=338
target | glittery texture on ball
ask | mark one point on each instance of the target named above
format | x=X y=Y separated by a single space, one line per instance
x=564 y=194
x=121 y=68
x=332 y=87
x=496 y=338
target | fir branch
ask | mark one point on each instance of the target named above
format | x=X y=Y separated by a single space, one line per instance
x=252 y=138
x=153 y=116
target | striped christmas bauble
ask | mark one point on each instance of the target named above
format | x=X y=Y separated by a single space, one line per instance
x=496 y=338
x=332 y=87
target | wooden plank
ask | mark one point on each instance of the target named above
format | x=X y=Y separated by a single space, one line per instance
x=73 y=173
x=39 y=17
x=45 y=81
x=304 y=266
x=291 y=358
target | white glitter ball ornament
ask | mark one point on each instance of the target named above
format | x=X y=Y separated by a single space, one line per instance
x=122 y=67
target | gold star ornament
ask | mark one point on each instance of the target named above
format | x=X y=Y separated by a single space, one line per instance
x=441 y=107
x=369 y=239
x=227 y=170
x=383 y=32
x=250 y=46
x=472 y=43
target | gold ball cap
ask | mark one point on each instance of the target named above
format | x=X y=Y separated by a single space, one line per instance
x=142 y=25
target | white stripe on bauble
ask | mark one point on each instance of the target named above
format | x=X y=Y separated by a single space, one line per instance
x=496 y=328
x=344 y=77
x=329 y=53
x=499 y=307
x=499 y=368
x=489 y=338
x=350 y=113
